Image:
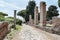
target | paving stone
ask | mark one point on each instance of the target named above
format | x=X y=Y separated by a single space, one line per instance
x=32 y=33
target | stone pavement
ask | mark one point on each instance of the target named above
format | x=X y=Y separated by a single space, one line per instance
x=32 y=33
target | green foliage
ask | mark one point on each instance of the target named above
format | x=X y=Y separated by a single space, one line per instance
x=30 y=9
x=13 y=32
x=18 y=22
x=59 y=3
x=18 y=27
x=22 y=13
x=2 y=18
x=11 y=20
x=3 y=14
x=52 y=11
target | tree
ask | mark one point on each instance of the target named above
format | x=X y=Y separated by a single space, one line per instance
x=30 y=9
x=22 y=13
x=59 y=3
x=19 y=22
x=38 y=16
x=52 y=11
x=3 y=14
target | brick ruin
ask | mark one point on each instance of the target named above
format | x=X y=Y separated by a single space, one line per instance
x=36 y=15
x=42 y=15
x=15 y=18
x=43 y=22
x=3 y=29
x=55 y=22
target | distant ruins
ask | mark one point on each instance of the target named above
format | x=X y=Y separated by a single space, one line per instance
x=36 y=15
x=55 y=20
x=42 y=22
x=42 y=15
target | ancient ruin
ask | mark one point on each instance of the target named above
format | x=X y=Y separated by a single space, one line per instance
x=36 y=15
x=15 y=18
x=42 y=14
x=30 y=20
x=3 y=29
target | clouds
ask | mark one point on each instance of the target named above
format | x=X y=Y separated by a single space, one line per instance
x=2 y=5
x=20 y=3
x=8 y=6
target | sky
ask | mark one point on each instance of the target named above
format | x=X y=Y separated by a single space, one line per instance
x=8 y=6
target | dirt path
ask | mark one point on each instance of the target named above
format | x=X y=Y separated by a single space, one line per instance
x=32 y=33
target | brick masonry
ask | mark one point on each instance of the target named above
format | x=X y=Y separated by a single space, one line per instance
x=56 y=21
x=36 y=15
x=42 y=14
x=3 y=30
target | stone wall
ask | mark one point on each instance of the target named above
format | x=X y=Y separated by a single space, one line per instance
x=3 y=29
x=56 y=21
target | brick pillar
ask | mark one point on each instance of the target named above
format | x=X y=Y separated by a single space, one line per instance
x=30 y=20
x=42 y=14
x=36 y=15
x=14 y=18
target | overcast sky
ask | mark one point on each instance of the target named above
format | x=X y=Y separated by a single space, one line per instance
x=7 y=6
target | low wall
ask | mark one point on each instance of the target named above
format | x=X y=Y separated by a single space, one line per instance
x=3 y=29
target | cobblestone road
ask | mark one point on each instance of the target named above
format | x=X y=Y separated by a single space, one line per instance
x=32 y=33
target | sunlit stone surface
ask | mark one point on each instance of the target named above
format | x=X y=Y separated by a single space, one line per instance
x=31 y=33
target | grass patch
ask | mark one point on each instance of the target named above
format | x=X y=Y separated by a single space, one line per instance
x=18 y=27
x=13 y=32
x=49 y=25
x=10 y=35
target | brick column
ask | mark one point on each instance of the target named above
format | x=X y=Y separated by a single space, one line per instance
x=36 y=15
x=14 y=18
x=30 y=20
x=42 y=14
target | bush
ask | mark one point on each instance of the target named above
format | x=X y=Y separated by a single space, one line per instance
x=19 y=22
x=11 y=20
x=18 y=27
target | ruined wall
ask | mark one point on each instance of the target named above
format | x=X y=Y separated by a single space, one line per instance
x=3 y=29
x=56 y=21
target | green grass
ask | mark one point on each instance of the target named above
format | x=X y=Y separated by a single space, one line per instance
x=18 y=27
x=49 y=25
x=10 y=35
x=13 y=31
